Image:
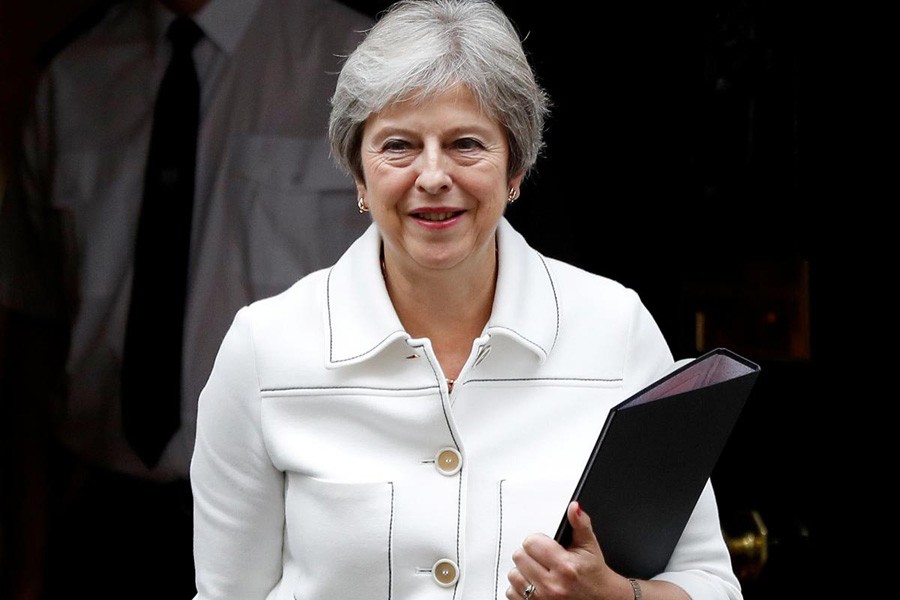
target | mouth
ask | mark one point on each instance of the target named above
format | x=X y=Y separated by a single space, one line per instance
x=437 y=217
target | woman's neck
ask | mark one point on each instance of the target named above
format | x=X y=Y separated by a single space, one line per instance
x=450 y=307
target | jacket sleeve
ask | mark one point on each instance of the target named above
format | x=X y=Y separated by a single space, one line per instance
x=31 y=265
x=700 y=564
x=238 y=492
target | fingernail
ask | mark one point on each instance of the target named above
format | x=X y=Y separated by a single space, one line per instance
x=578 y=510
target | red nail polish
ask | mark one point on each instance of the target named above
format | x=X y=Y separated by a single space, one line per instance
x=578 y=510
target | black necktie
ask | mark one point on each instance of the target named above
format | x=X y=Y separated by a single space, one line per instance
x=152 y=359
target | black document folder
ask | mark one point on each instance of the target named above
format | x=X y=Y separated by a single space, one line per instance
x=653 y=457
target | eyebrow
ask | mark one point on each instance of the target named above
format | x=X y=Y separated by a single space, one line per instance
x=388 y=130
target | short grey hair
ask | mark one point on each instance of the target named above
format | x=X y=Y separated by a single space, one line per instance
x=421 y=48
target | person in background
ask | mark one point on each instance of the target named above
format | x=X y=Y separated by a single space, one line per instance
x=411 y=422
x=248 y=201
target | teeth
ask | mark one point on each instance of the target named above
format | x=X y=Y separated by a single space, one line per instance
x=436 y=216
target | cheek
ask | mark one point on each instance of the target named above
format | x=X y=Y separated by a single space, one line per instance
x=491 y=192
x=389 y=181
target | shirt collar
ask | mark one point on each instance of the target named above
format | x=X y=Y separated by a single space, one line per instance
x=362 y=320
x=222 y=21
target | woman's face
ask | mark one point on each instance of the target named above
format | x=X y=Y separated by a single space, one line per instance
x=436 y=181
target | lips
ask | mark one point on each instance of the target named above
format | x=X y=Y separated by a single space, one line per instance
x=437 y=217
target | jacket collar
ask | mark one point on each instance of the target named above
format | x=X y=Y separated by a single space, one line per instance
x=361 y=320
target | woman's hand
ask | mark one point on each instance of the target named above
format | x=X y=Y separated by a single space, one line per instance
x=579 y=572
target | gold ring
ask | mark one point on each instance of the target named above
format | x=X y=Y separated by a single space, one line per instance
x=529 y=591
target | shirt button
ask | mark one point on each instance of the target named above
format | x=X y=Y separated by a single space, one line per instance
x=448 y=461
x=445 y=572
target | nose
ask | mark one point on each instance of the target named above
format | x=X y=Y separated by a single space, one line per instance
x=434 y=175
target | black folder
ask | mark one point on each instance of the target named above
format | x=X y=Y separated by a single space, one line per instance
x=653 y=457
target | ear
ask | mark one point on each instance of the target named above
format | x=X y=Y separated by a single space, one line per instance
x=360 y=189
x=516 y=180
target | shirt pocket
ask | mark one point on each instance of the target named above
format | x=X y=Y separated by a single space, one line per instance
x=339 y=534
x=98 y=193
x=526 y=507
x=298 y=211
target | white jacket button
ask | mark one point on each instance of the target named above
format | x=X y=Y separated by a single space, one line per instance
x=445 y=572
x=448 y=461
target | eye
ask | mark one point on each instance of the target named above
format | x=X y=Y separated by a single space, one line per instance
x=394 y=145
x=468 y=144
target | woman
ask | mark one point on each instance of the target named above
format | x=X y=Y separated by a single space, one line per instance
x=411 y=422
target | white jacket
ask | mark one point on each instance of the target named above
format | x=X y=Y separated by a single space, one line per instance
x=331 y=463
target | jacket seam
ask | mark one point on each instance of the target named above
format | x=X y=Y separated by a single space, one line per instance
x=349 y=387
x=499 y=543
x=391 y=545
x=459 y=501
x=555 y=300
x=549 y=379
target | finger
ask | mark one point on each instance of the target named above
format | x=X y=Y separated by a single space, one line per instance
x=582 y=532
x=515 y=592
x=529 y=567
x=516 y=579
x=543 y=549
x=517 y=584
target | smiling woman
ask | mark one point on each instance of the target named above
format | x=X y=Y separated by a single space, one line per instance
x=373 y=416
x=435 y=179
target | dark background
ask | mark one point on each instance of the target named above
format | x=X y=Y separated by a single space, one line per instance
x=692 y=154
